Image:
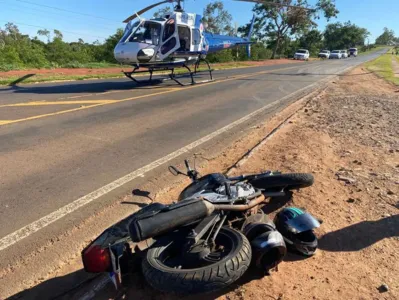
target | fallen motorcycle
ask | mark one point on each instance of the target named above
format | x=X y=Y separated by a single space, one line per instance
x=205 y=241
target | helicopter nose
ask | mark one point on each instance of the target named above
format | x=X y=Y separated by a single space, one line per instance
x=121 y=53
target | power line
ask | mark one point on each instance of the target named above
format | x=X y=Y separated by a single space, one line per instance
x=64 y=31
x=15 y=8
x=66 y=10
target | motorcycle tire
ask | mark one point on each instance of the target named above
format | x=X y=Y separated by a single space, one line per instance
x=203 y=279
x=289 y=181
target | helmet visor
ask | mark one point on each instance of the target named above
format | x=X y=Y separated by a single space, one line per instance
x=302 y=223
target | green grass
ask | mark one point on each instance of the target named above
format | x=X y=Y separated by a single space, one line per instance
x=382 y=66
x=373 y=50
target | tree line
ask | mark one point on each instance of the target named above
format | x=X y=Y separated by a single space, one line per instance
x=278 y=32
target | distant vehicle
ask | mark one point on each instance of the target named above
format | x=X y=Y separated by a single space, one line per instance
x=353 y=52
x=324 y=54
x=336 y=54
x=302 y=54
x=344 y=53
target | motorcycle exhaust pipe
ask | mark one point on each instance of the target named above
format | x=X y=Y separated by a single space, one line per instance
x=241 y=207
x=157 y=219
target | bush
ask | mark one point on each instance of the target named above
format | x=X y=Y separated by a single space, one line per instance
x=221 y=57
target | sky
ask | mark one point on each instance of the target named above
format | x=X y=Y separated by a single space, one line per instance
x=94 y=20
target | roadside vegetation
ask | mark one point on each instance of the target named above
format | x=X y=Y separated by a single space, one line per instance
x=278 y=33
x=385 y=67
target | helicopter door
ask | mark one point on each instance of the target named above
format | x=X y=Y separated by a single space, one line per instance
x=197 y=40
x=170 y=39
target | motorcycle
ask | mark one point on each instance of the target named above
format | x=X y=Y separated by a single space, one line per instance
x=203 y=242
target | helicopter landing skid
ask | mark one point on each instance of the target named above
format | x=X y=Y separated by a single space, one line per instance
x=172 y=76
x=175 y=77
x=135 y=71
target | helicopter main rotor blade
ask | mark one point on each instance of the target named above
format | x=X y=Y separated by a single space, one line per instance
x=140 y=12
x=274 y=4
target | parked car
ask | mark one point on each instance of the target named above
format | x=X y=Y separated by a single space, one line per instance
x=344 y=53
x=335 y=54
x=302 y=54
x=353 y=52
x=324 y=54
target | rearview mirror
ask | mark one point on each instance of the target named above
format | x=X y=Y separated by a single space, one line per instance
x=175 y=171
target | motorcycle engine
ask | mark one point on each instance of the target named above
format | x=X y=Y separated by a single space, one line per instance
x=219 y=196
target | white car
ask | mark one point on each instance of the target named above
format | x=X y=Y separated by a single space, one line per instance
x=353 y=52
x=344 y=53
x=302 y=54
x=324 y=54
x=336 y=54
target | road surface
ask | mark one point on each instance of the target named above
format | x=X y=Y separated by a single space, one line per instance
x=62 y=141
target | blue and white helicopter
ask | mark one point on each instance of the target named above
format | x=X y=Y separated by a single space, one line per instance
x=176 y=40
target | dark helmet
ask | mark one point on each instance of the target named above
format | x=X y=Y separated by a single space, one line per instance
x=297 y=226
x=268 y=246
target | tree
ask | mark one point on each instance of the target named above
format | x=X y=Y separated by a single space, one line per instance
x=12 y=30
x=162 y=12
x=44 y=32
x=58 y=34
x=386 y=38
x=312 y=40
x=217 y=19
x=344 y=36
x=278 y=22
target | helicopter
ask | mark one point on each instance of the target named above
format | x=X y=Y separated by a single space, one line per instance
x=175 y=40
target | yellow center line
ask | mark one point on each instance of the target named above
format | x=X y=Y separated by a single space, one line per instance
x=41 y=103
x=107 y=102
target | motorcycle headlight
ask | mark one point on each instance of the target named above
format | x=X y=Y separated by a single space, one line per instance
x=145 y=55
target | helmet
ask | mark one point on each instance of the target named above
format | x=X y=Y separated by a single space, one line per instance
x=268 y=246
x=297 y=226
x=268 y=250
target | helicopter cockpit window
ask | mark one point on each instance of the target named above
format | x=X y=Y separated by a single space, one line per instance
x=128 y=30
x=146 y=32
x=169 y=29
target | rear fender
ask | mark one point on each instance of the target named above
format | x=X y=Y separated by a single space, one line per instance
x=122 y=251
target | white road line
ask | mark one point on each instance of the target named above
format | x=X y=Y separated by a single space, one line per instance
x=27 y=230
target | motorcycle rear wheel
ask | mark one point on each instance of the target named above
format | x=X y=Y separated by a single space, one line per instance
x=288 y=181
x=161 y=275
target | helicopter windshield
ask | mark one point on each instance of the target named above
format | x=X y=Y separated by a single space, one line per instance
x=146 y=32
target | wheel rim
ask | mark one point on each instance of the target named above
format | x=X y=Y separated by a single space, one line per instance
x=170 y=256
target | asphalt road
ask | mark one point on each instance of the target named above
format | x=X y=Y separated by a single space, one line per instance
x=61 y=141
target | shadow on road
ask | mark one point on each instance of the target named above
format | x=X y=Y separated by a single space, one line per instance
x=275 y=203
x=361 y=235
x=63 y=287
x=139 y=289
x=86 y=87
x=66 y=287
